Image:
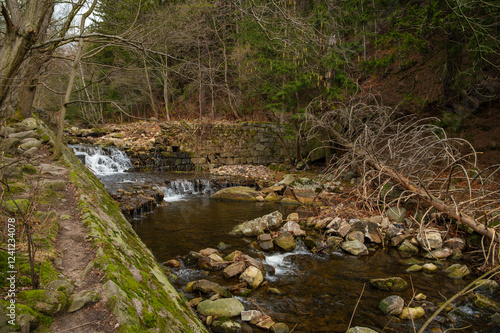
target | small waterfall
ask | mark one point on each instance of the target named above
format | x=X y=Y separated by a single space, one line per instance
x=103 y=161
x=178 y=189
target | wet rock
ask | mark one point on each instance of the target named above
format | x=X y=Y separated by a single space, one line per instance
x=271 y=197
x=486 y=285
x=191 y=259
x=223 y=246
x=208 y=264
x=390 y=284
x=257 y=226
x=355 y=247
x=420 y=297
x=224 y=307
x=359 y=329
x=253 y=276
x=344 y=229
x=249 y=261
x=414 y=268
x=429 y=268
x=313 y=241
x=411 y=261
x=172 y=263
x=439 y=253
x=266 y=242
x=234 y=269
x=322 y=223
x=355 y=235
x=397 y=214
x=407 y=246
x=292 y=217
x=208 y=251
x=81 y=299
x=225 y=325
x=412 y=313
x=209 y=287
x=393 y=230
x=233 y=255
x=430 y=239
x=368 y=229
x=280 y=328
x=457 y=271
x=237 y=193
x=293 y=228
x=274 y=291
x=251 y=315
x=265 y=322
x=392 y=305
x=285 y=241
x=397 y=240
x=455 y=244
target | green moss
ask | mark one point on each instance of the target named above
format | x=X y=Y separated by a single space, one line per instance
x=12 y=207
x=29 y=169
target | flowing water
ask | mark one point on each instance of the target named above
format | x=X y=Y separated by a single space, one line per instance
x=320 y=292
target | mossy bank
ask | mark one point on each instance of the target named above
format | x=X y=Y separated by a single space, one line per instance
x=132 y=285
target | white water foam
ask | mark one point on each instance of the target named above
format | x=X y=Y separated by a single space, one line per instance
x=282 y=261
x=101 y=161
x=179 y=189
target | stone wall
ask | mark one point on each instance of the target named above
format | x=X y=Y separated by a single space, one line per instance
x=186 y=147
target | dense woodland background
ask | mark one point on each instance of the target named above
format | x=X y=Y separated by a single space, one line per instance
x=257 y=60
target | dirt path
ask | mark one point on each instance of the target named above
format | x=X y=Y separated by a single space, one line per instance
x=75 y=254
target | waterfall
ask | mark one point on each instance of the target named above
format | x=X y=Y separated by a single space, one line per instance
x=103 y=161
x=178 y=189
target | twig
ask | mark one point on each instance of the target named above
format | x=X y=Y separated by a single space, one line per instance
x=359 y=299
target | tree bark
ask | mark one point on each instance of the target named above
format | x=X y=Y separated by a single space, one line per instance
x=23 y=27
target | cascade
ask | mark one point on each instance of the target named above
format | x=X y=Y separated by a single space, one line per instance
x=103 y=161
x=177 y=189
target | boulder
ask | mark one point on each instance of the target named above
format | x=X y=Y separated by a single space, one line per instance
x=253 y=276
x=249 y=261
x=293 y=228
x=81 y=299
x=233 y=255
x=208 y=264
x=355 y=235
x=323 y=223
x=439 y=253
x=234 y=269
x=457 y=271
x=271 y=197
x=355 y=247
x=287 y=179
x=412 y=313
x=414 y=268
x=397 y=214
x=265 y=322
x=61 y=285
x=237 y=193
x=368 y=229
x=390 y=284
x=407 y=246
x=430 y=239
x=224 y=307
x=313 y=241
x=280 y=328
x=306 y=195
x=285 y=241
x=335 y=223
x=172 y=263
x=5 y=131
x=429 y=268
x=23 y=135
x=225 y=325
x=266 y=242
x=292 y=217
x=257 y=226
x=209 y=287
x=251 y=315
x=392 y=305
x=30 y=144
x=486 y=285
x=208 y=251
x=27 y=124
x=45 y=301
x=191 y=259
x=455 y=243
x=344 y=229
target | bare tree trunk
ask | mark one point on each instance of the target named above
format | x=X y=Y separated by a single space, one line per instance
x=23 y=26
x=72 y=74
x=150 y=89
x=164 y=75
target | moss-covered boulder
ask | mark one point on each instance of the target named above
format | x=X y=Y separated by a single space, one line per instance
x=81 y=299
x=225 y=307
x=46 y=301
x=237 y=193
x=486 y=303
x=390 y=284
x=11 y=206
x=392 y=305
